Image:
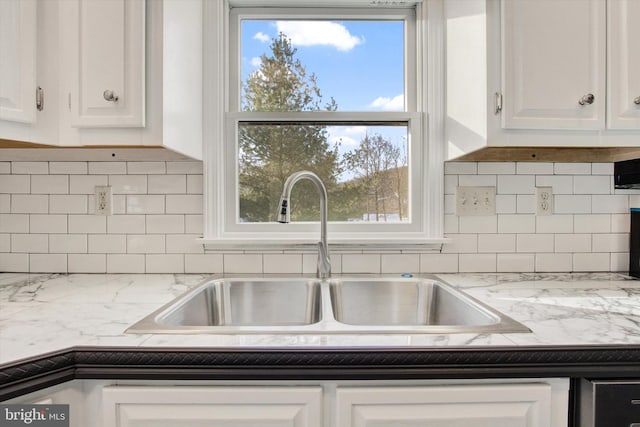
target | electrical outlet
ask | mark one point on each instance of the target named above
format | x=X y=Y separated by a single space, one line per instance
x=104 y=200
x=475 y=201
x=544 y=200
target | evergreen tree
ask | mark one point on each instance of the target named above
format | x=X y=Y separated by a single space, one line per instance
x=269 y=152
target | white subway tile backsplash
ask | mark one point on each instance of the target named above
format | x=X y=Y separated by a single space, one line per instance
x=85 y=224
x=195 y=184
x=184 y=167
x=145 y=204
x=496 y=243
x=12 y=262
x=107 y=168
x=165 y=224
x=29 y=203
x=516 y=223
x=164 y=263
x=560 y=184
x=591 y=262
x=526 y=204
x=620 y=262
x=242 y=263
x=460 y=168
x=477 y=180
x=194 y=224
x=15 y=184
x=449 y=204
x=572 y=168
x=555 y=224
x=478 y=224
x=5 y=168
x=30 y=243
x=67 y=243
x=621 y=223
x=361 y=263
x=591 y=224
x=86 y=184
x=400 y=263
x=282 y=263
x=14 y=223
x=477 y=263
x=54 y=224
x=439 y=263
x=451 y=224
x=128 y=184
x=534 y=168
x=516 y=184
x=602 y=169
x=552 y=263
x=107 y=243
x=506 y=203
x=187 y=204
x=167 y=184
x=515 y=263
x=496 y=168
x=534 y=243
x=592 y=184
x=126 y=224
x=203 y=263
x=461 y=243
x=573 y=243
x=450 y=184
x=5 y=244
x=183 y=244
x=68 y=204
x=614 y=204
x=87 y=263
x=5 y=203
x=618 y=242
x=146 y=244
x=48 y=263
x=30 y=168
x=68 y=168
x=50 y=184
x=130 y=263
x=145 y=168
x=571 y=204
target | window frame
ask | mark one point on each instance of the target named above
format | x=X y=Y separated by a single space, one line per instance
x=222 y=104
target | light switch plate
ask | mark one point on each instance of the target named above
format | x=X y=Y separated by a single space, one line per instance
x=475 y=201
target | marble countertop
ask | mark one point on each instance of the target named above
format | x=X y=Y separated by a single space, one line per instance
x=41 y=313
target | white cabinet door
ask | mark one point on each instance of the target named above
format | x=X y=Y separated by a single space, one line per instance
x=515 y=405
x=553 y=58
x=18 y=60
x=107 y=59
x=623 y=56
x=212 y=406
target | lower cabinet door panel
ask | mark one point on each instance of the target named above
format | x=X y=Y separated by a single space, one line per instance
x=125 y=406
x=524 y=405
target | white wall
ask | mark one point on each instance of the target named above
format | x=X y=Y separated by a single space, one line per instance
x=47 y=222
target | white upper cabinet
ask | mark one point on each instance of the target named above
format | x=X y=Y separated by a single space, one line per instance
x=107 y=58
x=18 y=25
x=553 y=64
x=623 y=61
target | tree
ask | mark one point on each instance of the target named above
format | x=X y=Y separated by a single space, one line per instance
x=379 y=168
x=270 y=152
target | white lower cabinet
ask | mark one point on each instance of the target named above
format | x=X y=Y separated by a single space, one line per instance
x=212 y=406
x=512 y=405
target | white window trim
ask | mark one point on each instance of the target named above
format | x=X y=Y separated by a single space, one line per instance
x=429 y=233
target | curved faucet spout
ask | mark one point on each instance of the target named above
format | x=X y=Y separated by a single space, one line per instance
x=284 y=216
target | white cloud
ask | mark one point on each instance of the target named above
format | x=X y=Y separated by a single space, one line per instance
x=389 y=104
x=319 y=33
x=261 y=37
x=256 y=61
x=347 y=136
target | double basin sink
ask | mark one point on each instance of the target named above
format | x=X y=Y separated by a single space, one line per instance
x=338 y=305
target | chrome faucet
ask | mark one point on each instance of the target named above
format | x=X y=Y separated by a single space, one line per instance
x=284 y=216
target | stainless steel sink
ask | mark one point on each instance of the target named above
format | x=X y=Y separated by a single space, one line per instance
x=339 y=305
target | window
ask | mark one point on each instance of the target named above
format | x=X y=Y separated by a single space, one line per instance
x=338 y=91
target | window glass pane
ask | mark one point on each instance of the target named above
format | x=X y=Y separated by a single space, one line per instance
x=364 y=167
x=295 y=65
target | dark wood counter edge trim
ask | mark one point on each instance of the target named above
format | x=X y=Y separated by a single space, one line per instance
x=36 y=373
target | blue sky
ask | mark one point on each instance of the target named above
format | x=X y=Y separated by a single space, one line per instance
x=358 y=63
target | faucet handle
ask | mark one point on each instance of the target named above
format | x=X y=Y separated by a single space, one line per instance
x=324 y=263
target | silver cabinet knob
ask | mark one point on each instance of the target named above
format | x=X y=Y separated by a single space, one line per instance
x=587 y=99
x=637 y=101
x=110 y=96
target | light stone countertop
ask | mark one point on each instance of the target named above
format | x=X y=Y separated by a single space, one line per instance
x=40 y=313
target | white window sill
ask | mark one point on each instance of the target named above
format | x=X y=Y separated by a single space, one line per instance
x=335 y=245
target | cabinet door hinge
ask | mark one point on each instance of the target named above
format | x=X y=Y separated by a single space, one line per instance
x=497 y=104
x=39 y=98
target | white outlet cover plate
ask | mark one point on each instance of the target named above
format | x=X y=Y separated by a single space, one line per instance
x=475 y=201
